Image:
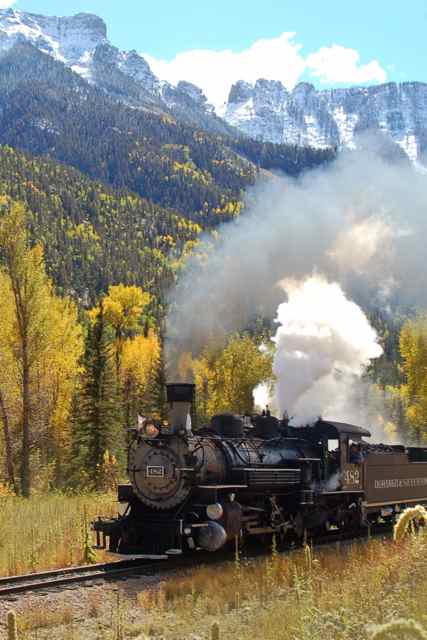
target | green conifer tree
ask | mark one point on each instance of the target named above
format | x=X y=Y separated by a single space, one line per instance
x=98 y=424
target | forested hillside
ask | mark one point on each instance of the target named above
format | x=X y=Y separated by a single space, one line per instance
x=132 y=190
x=46 y=109
x=93 y=236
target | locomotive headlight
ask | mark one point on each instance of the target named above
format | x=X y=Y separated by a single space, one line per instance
x=214 y=511
x=151 y=431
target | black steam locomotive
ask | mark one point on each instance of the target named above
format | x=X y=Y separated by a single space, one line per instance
x=253 y=477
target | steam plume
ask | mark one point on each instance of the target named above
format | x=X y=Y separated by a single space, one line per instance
x=360 y=223
x=323 y=344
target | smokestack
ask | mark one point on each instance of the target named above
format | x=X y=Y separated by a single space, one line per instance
x=180 y=398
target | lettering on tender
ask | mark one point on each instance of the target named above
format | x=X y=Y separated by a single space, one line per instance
x=400 y=483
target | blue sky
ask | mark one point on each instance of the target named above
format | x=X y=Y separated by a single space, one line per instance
x=377 y=40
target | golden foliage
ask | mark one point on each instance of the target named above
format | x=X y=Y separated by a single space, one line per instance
x=40 y=347
x=225 y=380
x=123 y=306
x=413 y=349
x=139 y=366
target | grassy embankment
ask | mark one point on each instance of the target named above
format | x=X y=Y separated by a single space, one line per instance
x=47 y=532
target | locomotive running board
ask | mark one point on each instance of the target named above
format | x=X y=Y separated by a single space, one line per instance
x=222 y=486
x=340 y=492
x=138 y=556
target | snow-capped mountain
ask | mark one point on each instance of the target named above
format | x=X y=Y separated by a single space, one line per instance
x=266 y=110
x=80 y=42
x=72 y=40
x=335 y=117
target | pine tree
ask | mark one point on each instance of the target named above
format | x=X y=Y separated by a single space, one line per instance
x=98 y=425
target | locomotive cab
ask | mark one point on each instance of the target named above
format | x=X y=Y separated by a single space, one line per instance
x=340 y=470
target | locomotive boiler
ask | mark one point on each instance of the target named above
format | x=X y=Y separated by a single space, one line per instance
x=252 y=476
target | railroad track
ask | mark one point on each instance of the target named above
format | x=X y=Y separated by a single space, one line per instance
x=72 y=576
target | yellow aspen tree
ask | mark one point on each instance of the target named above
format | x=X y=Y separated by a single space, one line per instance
x=34 y=315
x=8 y=381
x=139 y=365
x=55 y=378
x=28 y=281
x=413 y=349
x=225 y=380
x=123 y=307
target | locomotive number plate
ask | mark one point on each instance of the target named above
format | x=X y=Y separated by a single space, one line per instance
x=155 y=472
x=352 y=476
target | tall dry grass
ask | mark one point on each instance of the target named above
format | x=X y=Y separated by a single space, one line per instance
x=336 y=593
x=47 y=532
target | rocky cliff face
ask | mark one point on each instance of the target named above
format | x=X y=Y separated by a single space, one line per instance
x=335 y=117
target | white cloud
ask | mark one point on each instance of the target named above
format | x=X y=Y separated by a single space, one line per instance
x=4 y=4
x=278 y=58
x=336 y=64
x=215 y=71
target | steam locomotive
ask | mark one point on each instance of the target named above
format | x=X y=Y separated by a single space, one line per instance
x=253 y=476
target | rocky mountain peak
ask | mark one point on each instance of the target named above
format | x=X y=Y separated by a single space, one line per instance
x=302 y=90
x=240 y=92
x=265 y=110
x=71 y=40
x=335 y=117
x=89 y=22
x=193 y=91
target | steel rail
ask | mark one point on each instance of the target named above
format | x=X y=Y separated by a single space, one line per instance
x=68 y=576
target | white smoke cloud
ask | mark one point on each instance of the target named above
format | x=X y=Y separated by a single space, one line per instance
x=5 y=4
x=269 y=58
x=324 y=343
